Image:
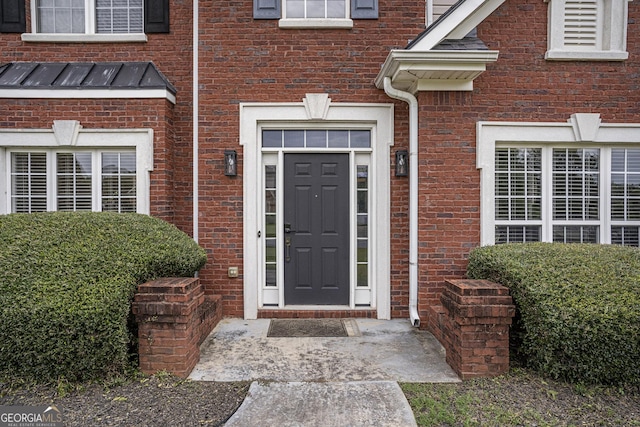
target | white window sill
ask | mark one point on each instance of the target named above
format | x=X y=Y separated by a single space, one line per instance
x=601 y=55
x=316 y=23
x=83 y=38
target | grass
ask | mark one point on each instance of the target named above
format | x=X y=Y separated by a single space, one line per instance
x=521 y=398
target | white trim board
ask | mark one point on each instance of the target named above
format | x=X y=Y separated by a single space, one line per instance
x=581 y=129
x=317 y=110
x=69 y=133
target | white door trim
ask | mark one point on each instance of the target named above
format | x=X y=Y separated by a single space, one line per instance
x=309 y=112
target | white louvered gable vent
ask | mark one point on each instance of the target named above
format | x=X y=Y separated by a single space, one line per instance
x=581 y=24
x=587 y=30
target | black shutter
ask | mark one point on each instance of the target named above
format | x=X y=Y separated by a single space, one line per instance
x=364 y=9
x=156 y=16
x=12 y=16
x=266 y=9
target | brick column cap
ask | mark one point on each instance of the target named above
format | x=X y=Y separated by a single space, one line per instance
x=473 y=287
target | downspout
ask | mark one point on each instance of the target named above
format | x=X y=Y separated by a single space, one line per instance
x=196 y=124
x=413 y=195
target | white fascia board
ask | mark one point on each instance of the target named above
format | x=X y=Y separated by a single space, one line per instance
x=458 y=24
x=87 y=94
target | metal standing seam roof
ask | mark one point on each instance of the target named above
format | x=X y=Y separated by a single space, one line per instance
x=83 y=75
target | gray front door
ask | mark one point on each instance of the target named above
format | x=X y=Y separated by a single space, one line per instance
x=316 y=222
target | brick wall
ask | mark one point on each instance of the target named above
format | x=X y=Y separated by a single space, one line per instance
x=246 y=60
x=174 y=317
x=172 y=54
x=155 y=114
x=472 y=324
x=520 y=86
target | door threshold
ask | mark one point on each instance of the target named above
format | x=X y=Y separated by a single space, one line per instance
x=316 y=312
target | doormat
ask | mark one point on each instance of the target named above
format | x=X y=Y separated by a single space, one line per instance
x=285 y=328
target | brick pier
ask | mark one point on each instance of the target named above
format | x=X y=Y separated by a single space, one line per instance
x=473 y=326
x=174 y=317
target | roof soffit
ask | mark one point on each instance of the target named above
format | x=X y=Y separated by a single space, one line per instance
x=434 y=70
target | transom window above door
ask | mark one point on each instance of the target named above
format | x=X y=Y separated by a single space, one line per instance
x=316 y=138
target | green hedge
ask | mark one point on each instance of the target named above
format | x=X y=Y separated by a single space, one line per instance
x=67 y=284
x=578 y=307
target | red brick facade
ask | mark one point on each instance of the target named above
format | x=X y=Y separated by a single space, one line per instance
x=472 y=323
x=174 y=317
x=247 y=60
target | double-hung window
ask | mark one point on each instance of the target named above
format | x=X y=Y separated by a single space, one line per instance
x=89 y=16
x=566 y=187
x=315 y=13
x=85 y=21
x=311 y=9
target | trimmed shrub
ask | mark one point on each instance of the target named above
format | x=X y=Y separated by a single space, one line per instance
x=578 y=307
x=67 y=283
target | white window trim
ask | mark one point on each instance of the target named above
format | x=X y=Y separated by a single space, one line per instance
x=612 y=34
x=83 y=38
x=68 y=134
x=316 y=23
x=317 y=110
x=582 y=129
x=88 y=94
x=89 y=36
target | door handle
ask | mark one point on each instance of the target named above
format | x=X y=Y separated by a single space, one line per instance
x=287 y=228
x=287 y=248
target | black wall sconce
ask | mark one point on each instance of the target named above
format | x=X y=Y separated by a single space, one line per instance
x=402 y=163
x=230 y=162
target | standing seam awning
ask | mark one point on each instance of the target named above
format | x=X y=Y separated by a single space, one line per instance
x=90 y=80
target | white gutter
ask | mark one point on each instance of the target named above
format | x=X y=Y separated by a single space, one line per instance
x=196 y=124
x=413 y=195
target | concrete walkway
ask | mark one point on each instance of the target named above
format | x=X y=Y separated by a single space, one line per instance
x=351 y=381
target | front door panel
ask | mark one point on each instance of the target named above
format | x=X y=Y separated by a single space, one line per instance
x=316 y=229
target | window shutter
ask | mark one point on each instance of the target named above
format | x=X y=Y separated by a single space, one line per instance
x=156 y=16
x=364 y=9
x=266 y=9
x=581 y=24
x=12 y=16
